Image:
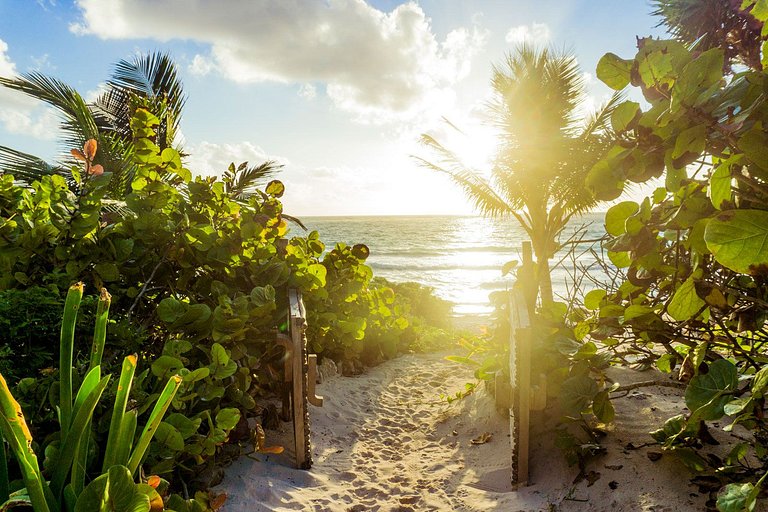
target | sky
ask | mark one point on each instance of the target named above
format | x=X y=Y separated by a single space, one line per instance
x=338 y=91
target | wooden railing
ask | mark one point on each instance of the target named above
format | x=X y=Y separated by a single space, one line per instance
x=299 y=376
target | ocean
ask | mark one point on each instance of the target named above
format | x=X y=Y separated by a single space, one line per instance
x=460 y=257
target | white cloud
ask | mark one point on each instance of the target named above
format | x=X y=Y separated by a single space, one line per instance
x=21 y=114
x=308 y=91
x=212 y=159
x=536 y=33
x=375 y=64
x=201 y=65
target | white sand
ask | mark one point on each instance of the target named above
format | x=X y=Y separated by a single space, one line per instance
x=381 y=444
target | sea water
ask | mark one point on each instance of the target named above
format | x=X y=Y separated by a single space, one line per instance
x=460 y=257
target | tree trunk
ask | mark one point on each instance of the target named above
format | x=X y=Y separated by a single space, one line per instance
x=544 y=280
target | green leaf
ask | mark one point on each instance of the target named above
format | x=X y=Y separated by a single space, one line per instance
x=169 y=310
x=693 y=140
x=617 y=215
x=164 y=365
x=603 y=408
x=707 y=393
x=738 y=239
x=169 y=436
x=275 y=188
x=114 y=491
x=760 y=382
x=624 y=115
x=685 y=303
x=735 y=498
x=187 y=427
x=593 y=298
x=577 y=393
x=720 y=185
x=508 y=267
x=614 y=71
x=664 y=363
x=637 y=310
x=227 y=418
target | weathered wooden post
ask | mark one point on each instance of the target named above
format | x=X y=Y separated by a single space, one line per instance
x=300 y=376
x=522 y=308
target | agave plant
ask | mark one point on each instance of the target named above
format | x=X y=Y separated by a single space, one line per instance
x=115 y=488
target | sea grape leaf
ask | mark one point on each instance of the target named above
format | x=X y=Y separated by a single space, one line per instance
x=738 y=239
x=737 y=406
x=577 y=393
x=593 y=298
x=165 y=364
x=169 y=436
x=685 y=303
x=665 y=362
x=736 y=498
x=107 y=271
x=760 y=382
x=617 y=215
x=186 y=426
x=275 y=188
x=614 y=71
x=227 y=418
x=693 y=140
x=624 y=115
x=603 y=408
x=707 y=393
x=169 y=310
x=720 y=185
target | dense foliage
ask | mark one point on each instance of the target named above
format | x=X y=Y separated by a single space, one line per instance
x=198 y=272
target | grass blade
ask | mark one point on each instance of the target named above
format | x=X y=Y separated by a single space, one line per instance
x=66 y=347
x=100 y=331
x=117 y=425
x=155 y=418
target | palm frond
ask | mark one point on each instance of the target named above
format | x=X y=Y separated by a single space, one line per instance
x=243 y=181
x=600 y=120
x=483 y=196
x=26 y=167
x=151 y=76
x=78 y=122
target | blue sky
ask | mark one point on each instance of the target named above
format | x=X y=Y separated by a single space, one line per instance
x=337 y=90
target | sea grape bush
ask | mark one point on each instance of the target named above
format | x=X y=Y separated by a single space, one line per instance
x=198 y=276
x=694 y=299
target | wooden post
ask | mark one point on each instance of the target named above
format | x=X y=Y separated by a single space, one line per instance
x=520 y=377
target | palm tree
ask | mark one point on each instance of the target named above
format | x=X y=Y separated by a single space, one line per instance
x=714 y=24
x=544 y=152
x=152 y=77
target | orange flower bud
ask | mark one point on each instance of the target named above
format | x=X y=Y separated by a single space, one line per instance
x=96 y=170
x=78 y=154
x=89 y=148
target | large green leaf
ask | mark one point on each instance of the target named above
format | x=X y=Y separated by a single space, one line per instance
x=685 y=303
x=707 y=393
x=614 y=71
x=738 y=239
x=736 y=498
x=617 y=215
x=114 y=491
x=577 y=394
x=625 y=115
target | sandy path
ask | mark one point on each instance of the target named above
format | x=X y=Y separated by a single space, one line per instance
x=384 y=442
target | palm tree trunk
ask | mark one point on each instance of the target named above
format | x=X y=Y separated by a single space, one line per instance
x=544 y=280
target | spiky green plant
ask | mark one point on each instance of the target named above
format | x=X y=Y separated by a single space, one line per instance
x=66 y=486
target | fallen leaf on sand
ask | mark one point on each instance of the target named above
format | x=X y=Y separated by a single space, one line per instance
x=482 y=438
